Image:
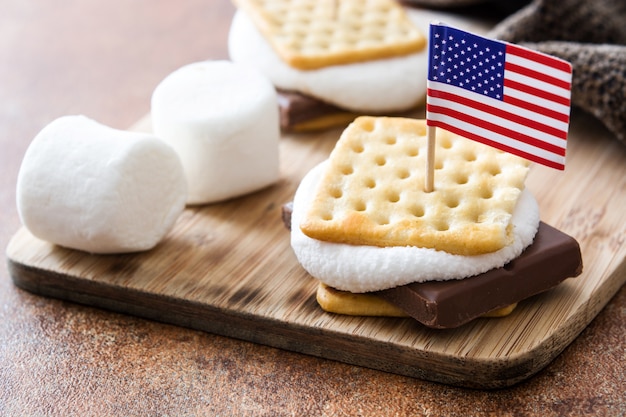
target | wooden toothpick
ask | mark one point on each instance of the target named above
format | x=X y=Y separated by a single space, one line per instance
x=429 y=183
x=332 y=9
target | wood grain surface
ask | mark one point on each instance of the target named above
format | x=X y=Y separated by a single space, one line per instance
x=58 y=358
x=228 y=269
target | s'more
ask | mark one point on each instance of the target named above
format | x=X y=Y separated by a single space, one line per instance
x=332 y=60
x=379 y=244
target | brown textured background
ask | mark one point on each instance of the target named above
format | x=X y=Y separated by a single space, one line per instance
x=103 y=59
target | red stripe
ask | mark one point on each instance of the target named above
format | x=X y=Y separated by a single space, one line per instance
x=508 y=66
x=497 y=145
x=520 y=137
x=562 y=117
x=539 y=57
x=499 y=113
x=536 y=92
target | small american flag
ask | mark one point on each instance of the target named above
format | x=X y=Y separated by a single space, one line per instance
x=499 y=94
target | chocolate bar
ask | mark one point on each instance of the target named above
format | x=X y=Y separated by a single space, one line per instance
x=552 y=257
x=285 y=213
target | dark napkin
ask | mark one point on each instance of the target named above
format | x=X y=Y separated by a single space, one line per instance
x=589 y=34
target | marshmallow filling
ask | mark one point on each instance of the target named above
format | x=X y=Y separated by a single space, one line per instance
x=359 y=268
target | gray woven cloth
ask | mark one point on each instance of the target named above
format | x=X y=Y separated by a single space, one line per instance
x=589 y=34
x=583 y=21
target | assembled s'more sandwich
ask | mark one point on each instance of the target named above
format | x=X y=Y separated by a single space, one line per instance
x=332 y=60
x=379 y=244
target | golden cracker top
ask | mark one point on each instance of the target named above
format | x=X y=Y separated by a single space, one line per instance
x=372 y=192
x=310 y=34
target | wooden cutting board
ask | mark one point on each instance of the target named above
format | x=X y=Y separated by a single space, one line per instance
x=228 y=269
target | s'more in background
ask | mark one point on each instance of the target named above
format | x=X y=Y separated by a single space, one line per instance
x=332 y=60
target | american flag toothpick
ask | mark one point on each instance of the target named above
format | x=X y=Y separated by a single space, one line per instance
x=503 y=95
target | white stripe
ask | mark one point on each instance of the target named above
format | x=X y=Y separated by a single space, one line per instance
x=542 y=68
x=481 y=115
x=477 y=130
x=529 y=98
x=500 y=104
x=542 y=85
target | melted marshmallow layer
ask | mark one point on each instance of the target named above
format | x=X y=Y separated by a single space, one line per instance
x=358 y=268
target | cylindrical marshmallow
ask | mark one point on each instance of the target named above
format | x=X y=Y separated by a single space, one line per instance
x=222 y=120
x=87 y=186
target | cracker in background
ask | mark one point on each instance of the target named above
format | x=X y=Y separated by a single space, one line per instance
x=372 y=192
x=309 y=34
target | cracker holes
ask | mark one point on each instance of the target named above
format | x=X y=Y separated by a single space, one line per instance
x=494 y=170
x=384 y=9
x=445 y=143
x=417 y=211
x=323 y=45
x=391 y=140
x=293 y=28
x=393 y=196
x=486 y=193
x=461 y=179
x=413 y=152
x=335 y=193
x=359 y=206
x=370 y=183
x=380 y=160
x=452 y=201
x=403 y=173
x=347 y=170
x=307 y=7
x=474 y=217
x=357 y=147
x=469 y=156
x=442 y=226
x=368 y=125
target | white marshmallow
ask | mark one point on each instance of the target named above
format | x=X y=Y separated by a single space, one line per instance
x=357 y=268
x=222 y=120
x=89 y=187
x=384 y=85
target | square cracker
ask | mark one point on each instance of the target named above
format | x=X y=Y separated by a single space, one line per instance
x=372 y=192
x=368 y=304
x=309 y=34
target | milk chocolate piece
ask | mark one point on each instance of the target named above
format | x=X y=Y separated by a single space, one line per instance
x=296 y=108
x=285 y=213
x=552 y=257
